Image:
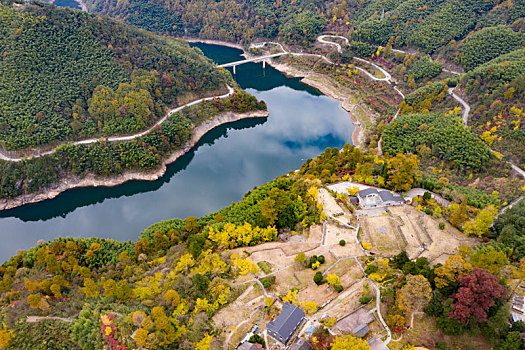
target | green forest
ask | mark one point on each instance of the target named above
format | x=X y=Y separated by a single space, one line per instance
x=104 y=159
x=443 y=136
x=67 y=75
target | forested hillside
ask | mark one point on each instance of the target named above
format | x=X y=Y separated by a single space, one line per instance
x=166 y=290
x=428 y=25
x=231 y=20
x=67 y=75
x=105 y=159
x=442 y=136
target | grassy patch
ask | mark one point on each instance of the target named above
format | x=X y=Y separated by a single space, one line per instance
x=265 y=266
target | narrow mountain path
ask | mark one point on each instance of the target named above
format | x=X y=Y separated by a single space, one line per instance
x=466 y=107
x=464 y=104
x=230 y=92
x=378 y=303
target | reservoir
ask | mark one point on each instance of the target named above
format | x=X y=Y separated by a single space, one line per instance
x=228 y=161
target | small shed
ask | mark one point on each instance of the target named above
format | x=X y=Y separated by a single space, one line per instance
x=300 y=344
x=248 y=346
x=284 y=326
x=361 y=330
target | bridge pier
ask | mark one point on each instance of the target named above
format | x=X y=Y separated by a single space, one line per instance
x=234 y=72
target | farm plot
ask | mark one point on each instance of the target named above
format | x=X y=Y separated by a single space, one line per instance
x=414 y=236
x=438 y=244
x=331 y=207
x=320 y=294
x=334 y=234
x=240 y=310
x=315 y=234
x=383 y=233
x=346 y=301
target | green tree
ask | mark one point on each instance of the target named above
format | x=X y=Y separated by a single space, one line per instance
x=459 y=215
x=481 y=224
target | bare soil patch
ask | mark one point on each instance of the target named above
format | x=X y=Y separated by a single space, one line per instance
x=315 y=234
x=331 y=207
x=334 y=234
x=383 y=233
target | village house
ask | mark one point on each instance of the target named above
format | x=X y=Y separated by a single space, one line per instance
x=284 y=326
x=372 y=198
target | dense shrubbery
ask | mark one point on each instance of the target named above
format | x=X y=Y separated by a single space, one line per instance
x=497 y=72
x=443 y=136
x=229 y=20
x=281 y=202
x=362 y=49
x=509 y=229
x=423 y=98
x=428 y=25
x=425 y=68
x=489 y=43
x=302 y=29
x=68 y=75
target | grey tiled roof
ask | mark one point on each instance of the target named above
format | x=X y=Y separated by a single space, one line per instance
x=366 y=192
x=286 y=323
x=386 y=196
x=247 y=346
x=361 y=330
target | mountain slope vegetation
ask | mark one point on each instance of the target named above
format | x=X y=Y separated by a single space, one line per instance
x=67 y=75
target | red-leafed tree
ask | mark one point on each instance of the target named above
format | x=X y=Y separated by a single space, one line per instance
x=476 y=296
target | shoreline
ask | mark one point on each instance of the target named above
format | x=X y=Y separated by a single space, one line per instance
x=13 y=156
x=91 y=181
x=213 y=42
x=358 y=133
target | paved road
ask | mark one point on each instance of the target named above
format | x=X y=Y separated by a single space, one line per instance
x=518 y=169
x=321 y=40
x=378 y=304
x=466 y=111
x=421 y=191
x=513 y=203
x=124 y=138
x=466 y=107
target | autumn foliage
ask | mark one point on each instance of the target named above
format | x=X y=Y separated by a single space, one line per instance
x=476 y=296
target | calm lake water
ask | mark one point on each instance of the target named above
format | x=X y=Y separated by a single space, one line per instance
x=68 y=3
x=228 y=161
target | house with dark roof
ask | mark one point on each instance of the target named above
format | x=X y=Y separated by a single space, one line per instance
x=285 y=325
x=372 y=198
x=389 y=199
x=301 y=344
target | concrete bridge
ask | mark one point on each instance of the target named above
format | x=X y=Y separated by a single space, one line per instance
x=255 y=59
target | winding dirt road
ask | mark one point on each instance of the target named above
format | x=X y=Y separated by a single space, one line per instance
x=464 y=104
x=123 y=138
x=321 y=39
